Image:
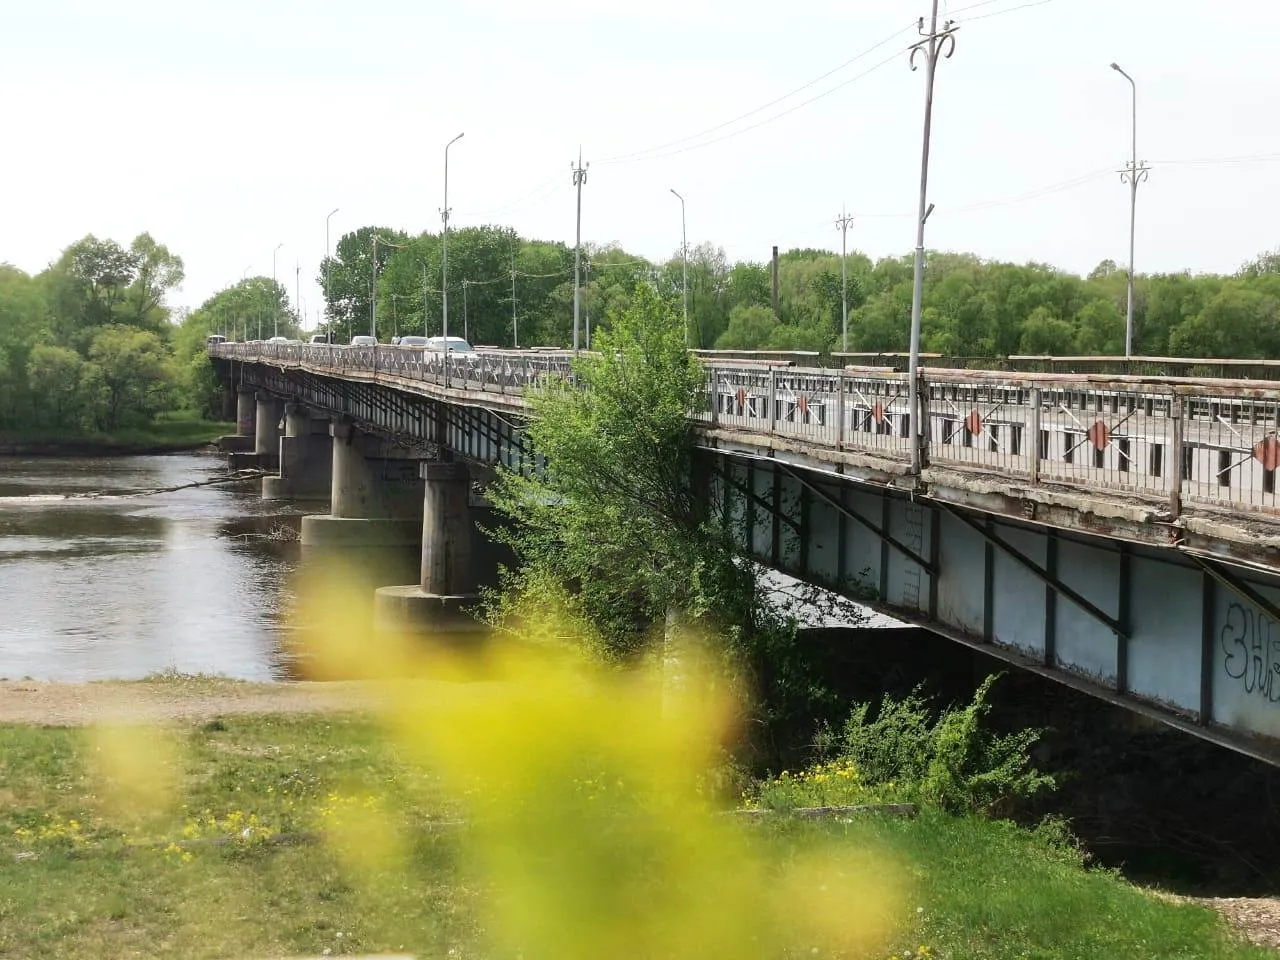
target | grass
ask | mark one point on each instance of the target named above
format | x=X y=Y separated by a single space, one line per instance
x=174 y=430
x=77 y=881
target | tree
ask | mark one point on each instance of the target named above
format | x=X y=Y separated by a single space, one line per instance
x=1237 y=322
x=750 y=328
x=23 y=323
x=157 y=271
x=128 y=377
x=618 y=530
x=59 y=371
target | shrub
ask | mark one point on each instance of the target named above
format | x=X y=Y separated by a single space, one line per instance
x=946 y=758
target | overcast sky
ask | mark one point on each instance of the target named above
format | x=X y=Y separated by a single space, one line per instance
x=224 y=128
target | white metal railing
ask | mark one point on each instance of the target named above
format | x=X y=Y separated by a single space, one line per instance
x=1213 y=441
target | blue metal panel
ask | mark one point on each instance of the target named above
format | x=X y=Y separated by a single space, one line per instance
x=1164 y=640
x=908 y=589
x=1246 y=662
x=789 y=555
x=1018 y=595
x=1085 y=645
x=762 y=529
x=824 y=537
x=862 y=547
x=960 y=577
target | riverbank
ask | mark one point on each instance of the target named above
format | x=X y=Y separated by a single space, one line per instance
x=171 y=433
x=248 y=859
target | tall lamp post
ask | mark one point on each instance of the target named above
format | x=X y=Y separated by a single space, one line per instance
x=1132 y=174
x=934 y=45
x=326 y=266
x=276 y=311
x=579 y=178
x=684 y=257
x=444 y=258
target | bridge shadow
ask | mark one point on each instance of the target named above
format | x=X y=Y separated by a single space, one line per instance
x=1164 y=807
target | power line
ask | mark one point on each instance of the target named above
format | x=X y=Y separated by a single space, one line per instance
x=1210 y=161
x=777 y=116
x=641 y=154
x=999 y=13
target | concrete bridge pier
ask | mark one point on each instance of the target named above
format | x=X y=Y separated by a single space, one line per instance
x=228 y=408
x=262 y=426
x=375 y=494
x=447 y=584
x=306 y=458
x=266 y=430
x=240 y=442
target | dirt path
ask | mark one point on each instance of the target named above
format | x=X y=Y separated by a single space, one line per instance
x=1257 y=919
x=177 y=698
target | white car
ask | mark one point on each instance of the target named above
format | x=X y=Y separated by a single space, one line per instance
x=455 y=345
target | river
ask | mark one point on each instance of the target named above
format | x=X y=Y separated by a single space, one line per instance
x=120 y=585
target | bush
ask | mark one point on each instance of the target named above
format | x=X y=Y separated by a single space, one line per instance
x=946 y=759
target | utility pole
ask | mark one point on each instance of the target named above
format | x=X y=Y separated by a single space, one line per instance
x=373 y=293
x=275 y=292
x=579 y=178
x=465 y=334
x=444 y=259
x=424 y=298
x=684 y=257
x=934 y=46
x=297 y=295
x=843 y=224
x=776 y=313
x=515 y=329
x=326 y=274
x=1132 y=174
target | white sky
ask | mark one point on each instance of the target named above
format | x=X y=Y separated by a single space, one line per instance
x=227 y=127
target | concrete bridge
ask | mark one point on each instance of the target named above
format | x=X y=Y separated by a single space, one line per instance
x=1120 y=534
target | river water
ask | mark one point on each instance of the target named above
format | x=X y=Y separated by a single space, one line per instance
x=123 y=585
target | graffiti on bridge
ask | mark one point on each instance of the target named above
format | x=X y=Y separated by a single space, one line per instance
x=1251 y=651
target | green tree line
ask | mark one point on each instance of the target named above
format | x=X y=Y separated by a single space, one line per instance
x=91 y=344
x=972 y=307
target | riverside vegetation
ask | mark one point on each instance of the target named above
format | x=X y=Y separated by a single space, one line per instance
x=571 y=803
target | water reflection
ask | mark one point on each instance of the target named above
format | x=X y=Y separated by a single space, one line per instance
x=124 y=586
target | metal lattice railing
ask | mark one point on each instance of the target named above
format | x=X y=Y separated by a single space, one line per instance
x=1212 y=441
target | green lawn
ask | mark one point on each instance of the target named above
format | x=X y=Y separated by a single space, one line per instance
x=79 y=881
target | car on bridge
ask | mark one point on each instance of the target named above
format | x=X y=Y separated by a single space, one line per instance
x=455 y=344
x=413 y=341
x=363 y=340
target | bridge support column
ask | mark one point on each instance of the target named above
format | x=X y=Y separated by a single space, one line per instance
x=266 y=433
x=240 y=442
x=375 y=495
x=447 y=582
x=228 y=409
x=306 y=459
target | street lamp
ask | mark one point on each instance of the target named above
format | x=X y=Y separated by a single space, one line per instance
x=276 y=311
x=326 y=264
x=444 y=258
x=684 y=256
x=1132 y=174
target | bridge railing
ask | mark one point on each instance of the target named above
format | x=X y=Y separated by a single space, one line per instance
x=1213 y=441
